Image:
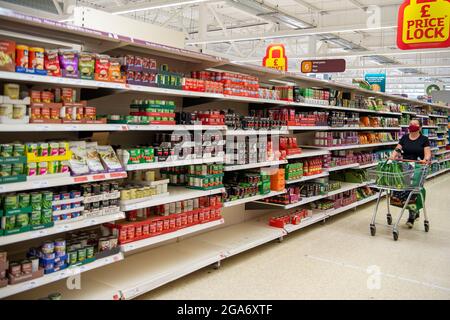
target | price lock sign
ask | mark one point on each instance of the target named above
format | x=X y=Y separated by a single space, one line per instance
x=423 y=24
x=276 y=57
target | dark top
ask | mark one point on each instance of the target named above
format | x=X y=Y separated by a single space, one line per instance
x=413 y=149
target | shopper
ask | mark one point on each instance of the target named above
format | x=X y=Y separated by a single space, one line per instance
x=412 y=146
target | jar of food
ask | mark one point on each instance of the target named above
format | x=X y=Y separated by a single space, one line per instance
x=12 y=90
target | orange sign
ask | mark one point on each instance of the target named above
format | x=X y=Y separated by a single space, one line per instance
x=423 y=24
x=276 y=57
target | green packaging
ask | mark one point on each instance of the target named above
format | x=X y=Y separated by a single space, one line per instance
x=10 y=202
x=22 y=220
x=6 y=150
x=19 y=150
x=43 y=150
x=148 y=155
x=135 y=156
x=5 y=170
x=89 y=252
x=35 y=218
x=73 y=257
x=32 y=148
x=81 y=254
x=36 y=197
x=17 y=169
x=9 y=223
x=24 y=200
x=86 y=65
x=47 y=198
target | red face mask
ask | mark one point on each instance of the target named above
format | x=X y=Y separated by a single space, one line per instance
x=413 y=128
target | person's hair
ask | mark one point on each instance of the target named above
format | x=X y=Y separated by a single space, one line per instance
x=418 y=122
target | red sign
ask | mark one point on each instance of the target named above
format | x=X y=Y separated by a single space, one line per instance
x=276 y=57
x=423 y=24
x=323 y=66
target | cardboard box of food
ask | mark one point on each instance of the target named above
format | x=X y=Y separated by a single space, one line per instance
x=7 y=55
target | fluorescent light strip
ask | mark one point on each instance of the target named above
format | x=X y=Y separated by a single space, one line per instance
x=168 y=5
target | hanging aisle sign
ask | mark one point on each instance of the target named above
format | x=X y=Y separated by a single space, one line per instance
x=377 y=81
x=276 y=57
x=423 y=24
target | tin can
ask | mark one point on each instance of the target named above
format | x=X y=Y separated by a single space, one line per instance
x=48 y=247
x=60 y=245
x=24 y=200
x=114 y=186
x=15 y=269
x=81 y=254
x=104 y=187
x=172 y=208
x=36 y=197
x=89 y=252
x=36 y=58
x=103 y=244
x=17 y=169
x=22 y=54
x=6 y=170
x=113 y=241
x=96 y=189
x=86 y=189
x=7 y=150
x=72 y=256
x=18 y=150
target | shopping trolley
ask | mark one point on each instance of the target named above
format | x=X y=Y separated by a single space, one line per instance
x=399 y=175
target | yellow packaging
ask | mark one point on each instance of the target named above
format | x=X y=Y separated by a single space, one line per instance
x=11 y=90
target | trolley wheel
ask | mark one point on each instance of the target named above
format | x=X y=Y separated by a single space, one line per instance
x=395 y=235
x=389 y=219
x=426 y=225
x=373 y=230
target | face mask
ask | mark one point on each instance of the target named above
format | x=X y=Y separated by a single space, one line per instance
x=413 y=128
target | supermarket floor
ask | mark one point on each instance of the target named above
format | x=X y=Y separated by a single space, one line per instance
x=337 y=260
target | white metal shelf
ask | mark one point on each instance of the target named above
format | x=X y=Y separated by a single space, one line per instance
x=437 y=173
x=56 y=127
x=347 y=166
x=422 y=116
x=52 y=277
x=347 y=186
x=236 y=167
x=306 y=178
x=240 y=132
x=254 y=198
x=48 y=181
x=308 y=153
x=308 y=128
x=175 y=194
x=333 y=212
x=176 y=127
x=59 y=228
x=438 y=116
x=171 y=235
x=353 y=146
x=167 y=164
x=409 y=112
x=305 y=222
x=368 y=165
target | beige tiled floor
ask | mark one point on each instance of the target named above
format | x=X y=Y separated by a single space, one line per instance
x=332 y=260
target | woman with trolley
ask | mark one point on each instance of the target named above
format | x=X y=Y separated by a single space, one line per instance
x=412 y=146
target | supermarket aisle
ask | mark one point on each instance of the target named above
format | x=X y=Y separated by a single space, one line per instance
x=333 y=261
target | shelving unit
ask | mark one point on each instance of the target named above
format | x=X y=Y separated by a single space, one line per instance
x=347 y=166
x=141 y=272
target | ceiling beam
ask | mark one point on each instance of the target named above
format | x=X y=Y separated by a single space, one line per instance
x=293 y=33
x=146 y=6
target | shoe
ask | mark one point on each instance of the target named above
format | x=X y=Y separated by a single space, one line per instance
x=410 y=223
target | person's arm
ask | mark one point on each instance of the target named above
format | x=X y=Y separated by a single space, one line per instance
x=427 y=154
x=397 y=152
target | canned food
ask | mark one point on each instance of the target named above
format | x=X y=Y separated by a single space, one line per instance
x=24 y=200
x=48 y=247
x=22 y=220
x=18 y=150
x=15 y=269
x=86 y=189
x=113 y=242
x=103 y=244
x=36 y=197
x=89 y=252
x=7 y=150
x=96 y=189
x=17 y=169
x=81 y=254
x=6 y=170
x=22 y=56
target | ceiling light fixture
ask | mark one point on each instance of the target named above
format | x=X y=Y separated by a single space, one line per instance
x=160 y=6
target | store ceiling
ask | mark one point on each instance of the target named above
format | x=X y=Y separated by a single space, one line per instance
x=241 y=29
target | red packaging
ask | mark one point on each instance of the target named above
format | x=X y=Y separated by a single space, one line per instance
x=102 y=67
x=130 y=233
x=45 y=113
x=51 y=62
x=201 y=216
x=172 y=224
x=190 y=218
x=79 y=113
x=123 y=232
x=47 y=97
x=90 y=113
x=178 y=222
x=152 y=228
x=184 y=219
x=67 y=95
x=54 y=113
x=207 y=214
x=138 y=231
x=145 y=229
x=166 y=224
x=35 y=113
x=159 y=226
x=130 y=75
x=35 y=96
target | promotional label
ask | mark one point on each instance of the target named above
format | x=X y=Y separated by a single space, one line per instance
x=276 y=57
x=423 y=24
x=323 y=66
x=377 y=81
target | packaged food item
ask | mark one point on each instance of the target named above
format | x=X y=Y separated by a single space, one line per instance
x=36 y=58
x=17 y=169
x=93 y=158
x=43 y=150
x=87 y=65
x=102 y=63
x=6 y=110
x=114 y=70
x=22 y=220
x=109 y=158
x=78 y=164
x=31 y=169
x=7 y=55
x=52 y=63
x=19 y=111
x=21 y=56
x=6 y=170
x=42 y=168
x=68 y=60
x=6 y=150
x=12 y=90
